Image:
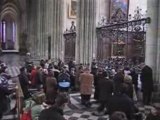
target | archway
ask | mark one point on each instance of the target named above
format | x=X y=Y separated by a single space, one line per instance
x=9 y=28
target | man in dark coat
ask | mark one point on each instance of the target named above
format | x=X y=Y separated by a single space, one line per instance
x=147 y=84
x=97 y=78
x=24 y=82
x=121 y=102
x=105 y=92
x=56 y=111
x=118 y=80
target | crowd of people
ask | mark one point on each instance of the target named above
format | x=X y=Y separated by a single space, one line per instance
x=115 y=84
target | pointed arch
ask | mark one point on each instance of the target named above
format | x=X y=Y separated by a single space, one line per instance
x=9 y=18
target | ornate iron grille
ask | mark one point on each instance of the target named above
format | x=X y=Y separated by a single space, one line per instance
x=123 y=37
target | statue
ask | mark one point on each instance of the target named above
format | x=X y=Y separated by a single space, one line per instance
x=73 y=27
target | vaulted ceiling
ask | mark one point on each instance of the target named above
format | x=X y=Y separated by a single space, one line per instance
x=21 y=4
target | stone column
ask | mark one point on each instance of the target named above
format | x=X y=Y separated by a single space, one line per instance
x=157 y=80
x=32 y=28
x=152 y=42
x=86 y=43
x=151 y=36
x=55 y=26
x=41 y=33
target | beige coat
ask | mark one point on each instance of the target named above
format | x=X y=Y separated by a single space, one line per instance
x=86 y=80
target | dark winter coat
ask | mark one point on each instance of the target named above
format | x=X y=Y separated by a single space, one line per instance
x=147 y=79
x=105 y=89
x=53 y=113
x=121 y=102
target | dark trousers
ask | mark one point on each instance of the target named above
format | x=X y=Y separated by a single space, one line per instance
x=85 y=99
x=147 y=97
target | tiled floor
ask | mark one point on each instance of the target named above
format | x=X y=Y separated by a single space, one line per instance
x=74 y=111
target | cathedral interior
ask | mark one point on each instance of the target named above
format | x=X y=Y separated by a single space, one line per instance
x=80 y=31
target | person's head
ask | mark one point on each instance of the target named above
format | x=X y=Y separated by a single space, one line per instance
x=28 y=54
x=22 y=69
x=50 y=73
x=118 y=116
x=72 y=22
x=142 y=65
x=38 y=67
x=65 y=68
x=72 y=69
x=3 y=67
x=61 y=100
x=59 y=60
x=86 y=70
x=105 y=75
x=46 y=61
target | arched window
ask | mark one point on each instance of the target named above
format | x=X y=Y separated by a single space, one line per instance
x=8 y=28
x=3 y=33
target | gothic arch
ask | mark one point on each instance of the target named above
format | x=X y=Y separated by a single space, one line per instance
x=10 y=12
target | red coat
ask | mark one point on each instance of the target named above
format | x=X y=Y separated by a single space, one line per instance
x=33 y=77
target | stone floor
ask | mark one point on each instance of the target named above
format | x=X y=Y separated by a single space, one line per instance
x=76 y=111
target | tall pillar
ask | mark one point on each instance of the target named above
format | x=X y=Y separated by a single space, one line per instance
x=45 y=20
x=41 y=33
x=32 y=28
x=86 y=31
x=151 y=56
x=151 y=36
x=157 y=80
x=55 y=26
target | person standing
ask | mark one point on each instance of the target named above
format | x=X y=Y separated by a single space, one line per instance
x=24 y=82
x=51 y=88
x=98 y=77
x=134 y=76
x=105 y=92
x=147 y=84
x=33 y=77
x=72 y=77
x=86 y=80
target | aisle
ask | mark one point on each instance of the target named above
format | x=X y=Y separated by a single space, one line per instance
x=76 y=111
